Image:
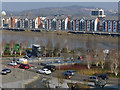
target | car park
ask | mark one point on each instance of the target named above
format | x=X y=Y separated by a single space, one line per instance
x=50 y=67
x=5 y=71
x=13 y=63
x=24 y=66
x=72 y=72
x=44 y=71
x=91 y=79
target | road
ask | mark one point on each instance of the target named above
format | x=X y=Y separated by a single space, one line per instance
x=79 y=77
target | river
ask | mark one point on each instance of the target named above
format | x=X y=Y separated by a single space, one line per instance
x=70 y=41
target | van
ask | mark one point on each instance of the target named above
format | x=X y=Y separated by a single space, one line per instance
x=22 y=61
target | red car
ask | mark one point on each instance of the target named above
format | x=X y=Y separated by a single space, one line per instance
x=24 y=66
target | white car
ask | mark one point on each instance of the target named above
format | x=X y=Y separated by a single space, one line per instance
x=44 y=71
x=12 y=63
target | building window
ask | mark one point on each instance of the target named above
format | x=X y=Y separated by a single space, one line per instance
x=109 y=26
x=92 y=25
x=76 y=24
x=46 y=24
x=26 y=24
x=94 y=13
x=104 y=26
x=119 y=26
x=18 y=24
x=100 y=12
x=82 y=25
x=59 y=24
x=72 y=24
x=88 y=25
x=114 y=26
x=49 y=24
x=33 y=24
x=54 y=24
x=63 y=24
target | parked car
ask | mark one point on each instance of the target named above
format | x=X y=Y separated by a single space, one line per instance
x=72 y=72
x=5 y=71
x=42 y=64
x=12 y=63
x=44 y=71
x=24 y=66
x=50 y=67
x=67 y=76
x=91 y=79
x=103 y=76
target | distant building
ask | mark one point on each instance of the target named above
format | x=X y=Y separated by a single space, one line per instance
x=64 y=23
x=98 y=13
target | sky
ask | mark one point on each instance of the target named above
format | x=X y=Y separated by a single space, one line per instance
x=60 y=0
x=20 y=5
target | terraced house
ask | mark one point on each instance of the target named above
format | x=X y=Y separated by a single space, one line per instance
x=63 y=23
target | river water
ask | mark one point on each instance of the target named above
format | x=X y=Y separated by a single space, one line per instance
x=69 y=41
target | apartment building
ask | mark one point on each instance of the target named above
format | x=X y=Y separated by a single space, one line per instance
x=64 y=23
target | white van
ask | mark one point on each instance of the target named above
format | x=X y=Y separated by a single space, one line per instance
x=22 y=61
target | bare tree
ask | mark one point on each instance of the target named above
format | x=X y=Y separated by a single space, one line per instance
x=114 y=58
x=12 y=43
x=89 y=58
x=3 y=46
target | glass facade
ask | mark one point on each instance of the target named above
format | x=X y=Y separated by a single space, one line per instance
x=26 y=24
x=119 y=26
x=109 y=26
x=88 y=25
x=46 y=24
x=82 y=25
x=94 y=13
x=77 y=27
x=18 y=24
x=72 y=25
x=92 y=25
x=104 y=26
x=49 y=24
x=59 y=21
x=54 y=24
x=114 y=26
x=33 y=24
x=63 y=24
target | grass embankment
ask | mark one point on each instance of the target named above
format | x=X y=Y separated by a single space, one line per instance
x=97 y=71
x=82 y=69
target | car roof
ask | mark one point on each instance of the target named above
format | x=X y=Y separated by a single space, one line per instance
x=93 y=76
x=71 y=70
x=45 y=69
x=51 y=65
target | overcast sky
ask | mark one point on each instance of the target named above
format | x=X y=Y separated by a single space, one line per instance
x=60 y=0
x=20 y=5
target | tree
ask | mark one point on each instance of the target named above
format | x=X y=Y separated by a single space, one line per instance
x=88 y=58
x=100 y=58
x=3 y=46
x=114 y=59
x=12 y=43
